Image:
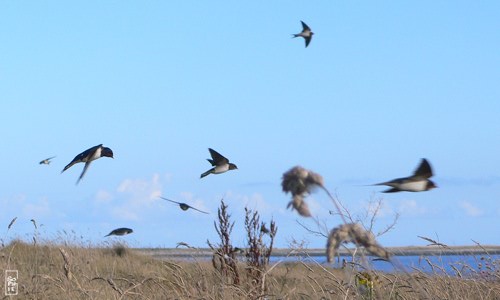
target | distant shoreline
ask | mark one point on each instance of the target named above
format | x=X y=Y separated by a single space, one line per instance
x=163 y=253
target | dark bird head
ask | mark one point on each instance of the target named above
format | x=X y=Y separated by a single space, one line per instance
x=107 y=152
x=232 y=166
x=430 y=185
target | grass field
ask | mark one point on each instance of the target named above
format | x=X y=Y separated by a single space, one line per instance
x=60 y=271
x=70 y=268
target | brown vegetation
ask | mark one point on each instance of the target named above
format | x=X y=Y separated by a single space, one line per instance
x=49 y=271
x=75 y=270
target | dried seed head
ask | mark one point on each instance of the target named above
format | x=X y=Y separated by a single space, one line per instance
x=34 y=223
x=358 y=235
x=299 y=181
x=300 y=205
x=11 y=223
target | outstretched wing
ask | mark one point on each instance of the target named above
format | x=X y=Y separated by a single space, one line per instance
x=305 y=27
x=198 y=209
x=47 y=160
x=217 y=158
x=170 y=200
x=392 y=190
x=308 y=40
x=424 y=170
x=87 y=164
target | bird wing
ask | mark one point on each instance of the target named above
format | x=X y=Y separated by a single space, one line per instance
x=170 y=200
x=87 y=164
x=80 y=157
x=47 y=160
x=308 y=40
x=392 y=190
x=305 y=27
x=424 y=170
x=397 y=181
x=217 y=158
x=198 y=209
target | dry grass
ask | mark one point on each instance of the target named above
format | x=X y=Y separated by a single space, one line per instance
x=51 y=271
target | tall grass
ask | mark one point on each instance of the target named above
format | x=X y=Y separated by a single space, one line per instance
x=117 y=272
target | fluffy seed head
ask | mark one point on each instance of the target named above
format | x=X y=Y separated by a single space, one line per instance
x=300 y=205
x=299 y=181
x=355 y=233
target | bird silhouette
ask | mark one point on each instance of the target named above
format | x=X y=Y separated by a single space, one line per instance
x=306 y=33
x=46 y=161
x=87 y=157
x=120 y=231
x=418 y=182
x=220 y=164
x=184 y=206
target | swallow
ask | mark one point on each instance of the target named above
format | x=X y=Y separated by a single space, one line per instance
x=87 y=157
x=220 y=164
x=120 y=231
x=306 y=33
x=46 y=161
x=184 y=206
x=418 y=182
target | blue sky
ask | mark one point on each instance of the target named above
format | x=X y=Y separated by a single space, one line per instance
x=381 y=86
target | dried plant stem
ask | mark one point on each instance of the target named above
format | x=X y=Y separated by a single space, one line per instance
x=358 y=235
x=67 y=264
x=134 y=286
x=263 y=284
x=335 y=203
x=11 y=223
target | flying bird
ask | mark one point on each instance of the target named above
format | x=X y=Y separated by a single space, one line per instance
x=184 y=206
x=120 y=231
x=306 y=33
x=46 y=161
x=220 y=164
x=418 y=182
x=87 y=157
